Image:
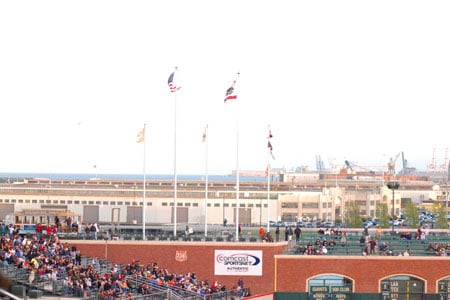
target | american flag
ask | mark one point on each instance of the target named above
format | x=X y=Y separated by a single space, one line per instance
x=172 y=87
x=204 y=135
x=269 y=144
x=229 y=95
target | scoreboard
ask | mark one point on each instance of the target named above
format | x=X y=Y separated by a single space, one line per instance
x=330 y=292
x=393 y=289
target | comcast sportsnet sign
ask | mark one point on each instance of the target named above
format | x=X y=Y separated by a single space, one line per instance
x=239 y=262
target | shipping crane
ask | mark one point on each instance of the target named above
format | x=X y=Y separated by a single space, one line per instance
x=392 y=162
x=406 y=168
x=320 y=166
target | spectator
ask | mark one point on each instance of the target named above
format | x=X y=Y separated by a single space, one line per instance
x=261 y=233
x=373 y=244
x=297 y=232
x=277 y=234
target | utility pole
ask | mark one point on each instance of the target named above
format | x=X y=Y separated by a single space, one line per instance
x=393 y=185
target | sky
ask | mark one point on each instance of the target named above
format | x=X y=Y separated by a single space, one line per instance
x=344 y=80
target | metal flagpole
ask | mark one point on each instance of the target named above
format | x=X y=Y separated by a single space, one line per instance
x=175 y=172
x=268 y=180
x=230 y=94
x=237 y=168
x=205 y=139
x=174 y=88
x=144 y=204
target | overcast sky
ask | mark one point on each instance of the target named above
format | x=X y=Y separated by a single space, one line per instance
x=346 y=80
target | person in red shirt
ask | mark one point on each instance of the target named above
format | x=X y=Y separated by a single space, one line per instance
x=261 y=233
x=38 y=231
x=49 y=230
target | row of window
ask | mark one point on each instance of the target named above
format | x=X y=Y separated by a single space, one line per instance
x=126 y=203
x=127 y=192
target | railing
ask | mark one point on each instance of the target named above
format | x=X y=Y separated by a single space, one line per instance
x=56 y=286
x=6 y=294
x=176 y=293
x=395 y=243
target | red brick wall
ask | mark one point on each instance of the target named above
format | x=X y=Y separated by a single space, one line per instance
x=366 y=271
x=200 y=258
x=281 y=273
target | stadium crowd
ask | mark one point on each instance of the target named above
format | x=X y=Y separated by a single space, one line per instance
x=47 y=257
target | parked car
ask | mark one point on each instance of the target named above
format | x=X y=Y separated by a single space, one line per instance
x=277 y=223
x=328 y=224
x=367 y=224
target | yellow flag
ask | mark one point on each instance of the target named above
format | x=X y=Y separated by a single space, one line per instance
x=140 y=136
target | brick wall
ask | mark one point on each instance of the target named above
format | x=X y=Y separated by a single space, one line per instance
x=281 y=273
x=365 y=271
x=200 y=258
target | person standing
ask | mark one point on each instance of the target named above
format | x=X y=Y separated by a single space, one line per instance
x=277 y=234
x=286 y=234
x=261 y=233
x=298 y=232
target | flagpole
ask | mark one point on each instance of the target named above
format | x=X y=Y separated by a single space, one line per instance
x=205 y=137
x=175 y=177
x=173 y=89
x=268 y=185
x=144 y=204
x=237 y=168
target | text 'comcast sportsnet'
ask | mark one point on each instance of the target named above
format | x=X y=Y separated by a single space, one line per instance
x=238 y=262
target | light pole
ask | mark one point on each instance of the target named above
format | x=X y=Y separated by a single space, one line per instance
x=393 y=185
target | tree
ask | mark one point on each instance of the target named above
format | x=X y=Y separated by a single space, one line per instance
x=383 y=215
x=411 y=214
x=440 y=215
x=352 y=215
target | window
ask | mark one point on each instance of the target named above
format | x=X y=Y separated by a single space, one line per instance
x=289 y=205
x=310 y=205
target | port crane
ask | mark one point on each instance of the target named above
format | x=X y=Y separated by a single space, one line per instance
x=406 y=168
x=392 y=162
